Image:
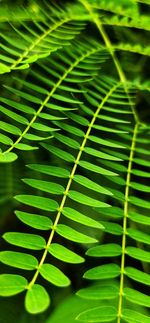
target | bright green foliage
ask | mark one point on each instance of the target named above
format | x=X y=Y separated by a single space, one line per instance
x=70 y=76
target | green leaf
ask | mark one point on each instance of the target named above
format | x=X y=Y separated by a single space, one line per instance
x=18 y=260
x=139 y=202
x=73 y=235
x=91 y=185
x=25 y=147
x=105 y=250
x=140 y=173
x=81 y=218
x=70 y=129
x=14 y=116
x=54 y=275
x=4 y=68
x=50 y=170
x=25 y=240
x=100 y=154
x=105 y=142
x=36 y=221
x=136 y=297
x=134 y=317
x=87 y=200
x=112 y=228
x=108 y=129
x=138 y=275
x=42 y=127
x=37 y=299
x=59 y=152
x=98 y=314
x=96 y=169
x=32 y=137
x=103 y=272
x=65 y=99
x=139 y=218
x=99 y=291
x=5 y=140
x=39 y=202
x=10 y=128
x=67 y=141
x=12 y=284
x=49 y=187
x=7 y=157
x=64 y=254
x=139 y=254
x=140 y=187
x=138 y=235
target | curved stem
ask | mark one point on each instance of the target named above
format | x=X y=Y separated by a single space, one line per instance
x=111 y=50
x=126 y=207
x=70 y=182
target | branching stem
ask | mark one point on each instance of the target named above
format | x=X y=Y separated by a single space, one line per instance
x=70 y=181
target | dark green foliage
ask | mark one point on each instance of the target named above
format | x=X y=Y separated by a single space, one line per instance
x=74 y=111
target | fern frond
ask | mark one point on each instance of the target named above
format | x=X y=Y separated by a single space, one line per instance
x=123 y=8
x=37 y=39
x=65 y=73
x=135 y=240
x=75 y=152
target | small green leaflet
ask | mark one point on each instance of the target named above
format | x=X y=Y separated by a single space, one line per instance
x=112 y=228
x=54 y=275
x=64 y=254
x=12 y=284
x=25 y=240
x=138 y=275
x=139 y=254
x=96 y=169
x=49 y=187
x=50 y=170
x=10 y=128
x=103 y=272
x=99 y=291
x=73 y=235
x=139 y=202
x=59 y=152
x=21 y=146
x=139 y=218
x=139 y=235
x=81 y=218
x=98 y=314
x=91 y=185
x=140 y=187
x=35 y=221
x=134 y=317
x=105 y=250
x=8 y=157
x=104 y=142
x=18 y=260
x=37 y=299
x=137 y=297
x=87 y=200
x=5 y=140
x=4 y=68
x=39 y=202
x=100 y=154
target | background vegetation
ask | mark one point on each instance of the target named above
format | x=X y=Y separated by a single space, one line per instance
x=75 y=127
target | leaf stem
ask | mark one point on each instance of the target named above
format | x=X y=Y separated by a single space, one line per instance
x=111 y=50
x=70 y=182
x=126 y=207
